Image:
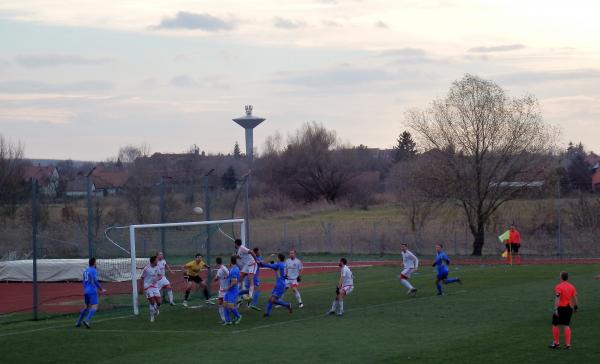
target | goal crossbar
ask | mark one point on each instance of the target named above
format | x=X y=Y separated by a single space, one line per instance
x=133 y=228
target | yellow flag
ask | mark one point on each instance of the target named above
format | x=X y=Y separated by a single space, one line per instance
x=504 y=254
x=504 y=237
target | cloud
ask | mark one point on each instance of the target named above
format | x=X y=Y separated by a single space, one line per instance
x=331 y=23
x=42 y=87
x=193 y=21
x=499 y=48
x=549 y=76
x=341 y=76
x=284 y=23
x=404 y=52
x=184 y=81
x=382 y=25
x=52 y=60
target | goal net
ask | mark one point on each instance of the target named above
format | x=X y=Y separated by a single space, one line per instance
x=180 y=242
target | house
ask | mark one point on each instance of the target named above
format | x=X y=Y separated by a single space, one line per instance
x=109 y=182
x=596 y=181
x=47 y=178
x=77 y=187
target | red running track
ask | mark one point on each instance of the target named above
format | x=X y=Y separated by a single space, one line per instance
x=65 y=297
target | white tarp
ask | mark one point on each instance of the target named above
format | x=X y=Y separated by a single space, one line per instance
x=57 y=270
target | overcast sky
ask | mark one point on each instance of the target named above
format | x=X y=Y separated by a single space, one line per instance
x=80 y=78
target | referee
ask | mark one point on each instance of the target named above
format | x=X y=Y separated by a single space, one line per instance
x=565 y=304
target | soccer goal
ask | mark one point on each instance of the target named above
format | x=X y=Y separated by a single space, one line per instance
x=179 y=240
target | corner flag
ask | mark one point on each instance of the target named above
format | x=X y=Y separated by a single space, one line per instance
x=504 y=237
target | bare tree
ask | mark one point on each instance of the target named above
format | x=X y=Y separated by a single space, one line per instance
x=129 y=153
x=11 y=180
x=485 y=147
x=314 y=165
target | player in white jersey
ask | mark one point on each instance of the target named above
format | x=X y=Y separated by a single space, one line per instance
x=222 y=277
x=410 y=263
x=162 y=265
x=344 y=287
x=293 y=269
x=246 y=260
x=150 y=277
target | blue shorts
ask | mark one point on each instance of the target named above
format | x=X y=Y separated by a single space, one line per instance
x=278 y=290
x=90 y=298
x=231 y=296
x=442 y=275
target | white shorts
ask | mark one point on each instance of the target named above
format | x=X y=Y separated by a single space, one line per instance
x=222 y=292
x=249 y=268
x=291 y=283
x=152 y=291
x=347 y=289
x=407 y=272
x=163 y=282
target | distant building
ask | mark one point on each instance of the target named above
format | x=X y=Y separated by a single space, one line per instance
x=109 y=182
x=47 y=178
x=596 y=180
x=77 y=187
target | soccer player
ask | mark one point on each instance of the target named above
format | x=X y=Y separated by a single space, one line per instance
x=293 y=269
x=441 y=263
x=150 y=277
x=254 y=303
x=410 y=264
x=344 y=287
x=192 y=276
x=230 y=298
x=161 y=262
x=279 y=289
x=222 y=277
x=248 y=267
x=90 y=294
x=565 y=304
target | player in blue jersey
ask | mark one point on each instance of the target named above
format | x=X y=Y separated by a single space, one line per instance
x=441 y=264
x=90 y=294
x=232 y=293
x=279 y=288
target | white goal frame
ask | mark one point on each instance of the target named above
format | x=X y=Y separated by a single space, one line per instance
x=133 y=228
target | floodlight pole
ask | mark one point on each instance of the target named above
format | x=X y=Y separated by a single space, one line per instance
x=248 y=122
x=90 y=213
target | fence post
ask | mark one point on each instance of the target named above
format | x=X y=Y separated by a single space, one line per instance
x=162 y=214
x=207 y=189
x=34 y=245
x=90 y=214
x=559 y=220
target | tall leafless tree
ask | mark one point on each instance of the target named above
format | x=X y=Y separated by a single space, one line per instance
x=485 y=148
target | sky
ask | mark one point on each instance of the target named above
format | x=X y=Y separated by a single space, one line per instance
x=80 y=78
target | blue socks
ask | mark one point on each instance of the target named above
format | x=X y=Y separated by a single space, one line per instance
x=81 y=314
x=282 y=303
x=90 y=315
x=235 y=312
x=227 y=317
x=451 y=280
x=255 y=297
x=439 y=287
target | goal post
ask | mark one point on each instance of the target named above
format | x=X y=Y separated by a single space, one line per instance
x=132 y=246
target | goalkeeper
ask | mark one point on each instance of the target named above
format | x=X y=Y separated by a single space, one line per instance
x=192 y=276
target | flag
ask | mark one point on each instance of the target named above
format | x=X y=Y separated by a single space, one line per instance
x=504 y=254
x=504 y=237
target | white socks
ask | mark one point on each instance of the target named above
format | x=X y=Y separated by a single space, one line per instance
x=333 y=305
x=251 y=291
x=406 y=284
x=170 y=294
x=341 y=306
x=222 y=313
x=298 y=298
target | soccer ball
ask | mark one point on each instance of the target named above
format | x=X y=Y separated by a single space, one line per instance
x=198 y=210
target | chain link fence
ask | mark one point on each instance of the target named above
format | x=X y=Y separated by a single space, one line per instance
x=37 y=225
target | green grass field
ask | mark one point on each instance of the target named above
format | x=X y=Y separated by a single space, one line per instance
x=501 y=314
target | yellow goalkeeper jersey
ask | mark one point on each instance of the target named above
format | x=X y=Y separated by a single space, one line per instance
x=193 y=268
